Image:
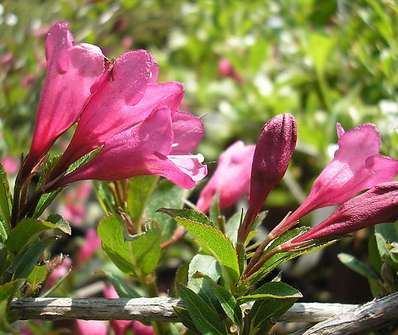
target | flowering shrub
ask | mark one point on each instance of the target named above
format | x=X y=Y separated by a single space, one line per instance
x=128 y=132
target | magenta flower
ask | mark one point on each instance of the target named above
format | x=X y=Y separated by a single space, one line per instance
x=10 y=164
x=75 y=203
x=226 y=69
x=231 y=179
x=144 y=134
x=60 y=271
x=72 y=69
x=91 y=327
x=378 y=205
x=356 y=166
x=91 y=244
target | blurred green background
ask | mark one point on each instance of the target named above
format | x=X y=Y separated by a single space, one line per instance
x=323 y=61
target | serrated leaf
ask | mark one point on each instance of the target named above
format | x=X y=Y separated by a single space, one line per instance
x=140 y=189
x=205 y=319
x=274 y=290
x=28 y=229
x=214 y=242
x=357 y=266
x=3 y=230
x=139 y=254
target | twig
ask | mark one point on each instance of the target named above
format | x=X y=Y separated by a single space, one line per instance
x=334 y=318
x=373 y=315
x=144 y=309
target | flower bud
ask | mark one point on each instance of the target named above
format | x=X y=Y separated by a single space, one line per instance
x=377 y=205
x=273 y=152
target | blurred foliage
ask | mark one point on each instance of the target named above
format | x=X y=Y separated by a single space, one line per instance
x=323 y=61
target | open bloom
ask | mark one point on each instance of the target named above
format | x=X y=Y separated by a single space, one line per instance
x=357 y=165
x=231 y=179
x=135 y=124
x=72 y=70
x=378 y=205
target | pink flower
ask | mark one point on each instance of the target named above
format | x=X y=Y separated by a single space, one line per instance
x=10 y=164
x=120 y=327
x=377 y=205
x=140 y=329
x=72 y=69
x=357 y=165
x=274 y=149
x=59 y=272
x=226 y=69
x=149 y=145
x=231 y=179
x=91 y=243
x=75 y=202
x=91 y=327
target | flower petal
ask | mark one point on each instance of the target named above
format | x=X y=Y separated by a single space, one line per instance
x=71 y=72
x=188 y=130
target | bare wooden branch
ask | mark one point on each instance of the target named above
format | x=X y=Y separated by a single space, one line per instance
x=333 y=318
x=373 y=315
x=143 y=309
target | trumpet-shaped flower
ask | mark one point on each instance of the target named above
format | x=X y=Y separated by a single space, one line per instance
x=72 y=71
x=357 y=165
x=145 y=149
x=231 y=179
x=378 y=205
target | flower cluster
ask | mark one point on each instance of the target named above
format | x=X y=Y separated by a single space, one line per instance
x=121 y=111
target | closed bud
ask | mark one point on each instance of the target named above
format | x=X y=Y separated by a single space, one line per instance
x=273 y=152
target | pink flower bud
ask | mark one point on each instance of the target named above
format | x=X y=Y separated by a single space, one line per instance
x=231 y=179
x=226 y=69
x=91 y=244
x=356 y=166
x=274 y=150
x=377 y=205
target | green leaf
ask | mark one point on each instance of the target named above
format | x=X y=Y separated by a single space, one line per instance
x=5 y=200
x=205 y=318
x=122 y=288
x=7 y=290
x=105 y=197
x=45 y=201
x=3 y=230
x=385 y=234
x=140 y=190
x=37 y=276
x=28 y=258
x=232 y=227
x=28 y=229
x=214 y=242
x=205 y=265
x=226 y=300
x=189 y=214
x=357 y=266
x=166 y=195
x=141 y=253
x=274 y=290
x=283 y=257
x=214 y=210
